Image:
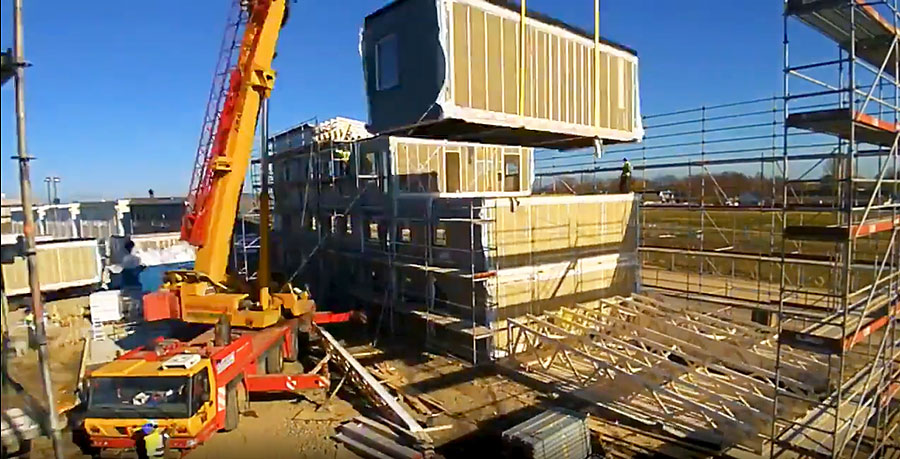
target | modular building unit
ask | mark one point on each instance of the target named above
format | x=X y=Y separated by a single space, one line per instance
x=61 y=265
x=451 y=69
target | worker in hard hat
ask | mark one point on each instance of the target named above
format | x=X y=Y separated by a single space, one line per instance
x=154 y=440
x=625 y=178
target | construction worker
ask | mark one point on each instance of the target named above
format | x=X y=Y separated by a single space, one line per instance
x=131 y=287
x=154 y=440
x=132 y=266
x=343 y=158
x=625 y=178
x=30 y=326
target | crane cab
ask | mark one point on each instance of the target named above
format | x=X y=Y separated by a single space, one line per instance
x=176 y=394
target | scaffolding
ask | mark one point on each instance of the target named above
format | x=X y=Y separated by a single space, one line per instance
x=366 y=225
x=710 y=220
x=859 y=94
x=476 y=265
x=246 y=238
x=787 y=208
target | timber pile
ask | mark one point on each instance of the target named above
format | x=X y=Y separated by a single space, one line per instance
x=372 y=439
x=423 y=403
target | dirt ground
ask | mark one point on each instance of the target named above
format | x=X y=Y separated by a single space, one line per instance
x=301 y=426
x=66 y=330
x=478 y=404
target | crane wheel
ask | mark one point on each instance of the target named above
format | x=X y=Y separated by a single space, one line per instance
x=275 y=358
x=234 y=392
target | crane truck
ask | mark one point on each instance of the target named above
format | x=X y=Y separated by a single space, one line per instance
x=192 y=388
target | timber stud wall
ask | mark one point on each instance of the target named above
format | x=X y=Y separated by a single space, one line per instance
x=559 y=71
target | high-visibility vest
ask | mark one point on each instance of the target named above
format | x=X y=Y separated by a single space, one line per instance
x=155 y=443
x=342 y=155
x=626 y=168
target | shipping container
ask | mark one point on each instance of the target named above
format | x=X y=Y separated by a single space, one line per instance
x=451 y=69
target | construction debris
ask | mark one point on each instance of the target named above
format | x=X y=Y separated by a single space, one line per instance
x=421 y=402
x=372 y=389
x=18 y=430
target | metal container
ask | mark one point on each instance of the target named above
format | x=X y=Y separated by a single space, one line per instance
x=553 y=434
x=450 y=69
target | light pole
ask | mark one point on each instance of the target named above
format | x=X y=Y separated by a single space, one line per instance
x=56 y=181
x=48 y=181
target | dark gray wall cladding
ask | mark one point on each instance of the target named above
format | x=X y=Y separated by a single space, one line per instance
x=420 y=59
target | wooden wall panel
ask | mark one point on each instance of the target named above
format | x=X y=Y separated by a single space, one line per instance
x=420 y=166
x=494 y=77
x=461 y=55
x=510 y=66
x=478 y=58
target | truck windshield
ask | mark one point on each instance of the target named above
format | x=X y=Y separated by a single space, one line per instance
x=139 y=397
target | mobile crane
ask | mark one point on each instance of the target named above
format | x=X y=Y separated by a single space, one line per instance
x=205 y=294
x=192 y=388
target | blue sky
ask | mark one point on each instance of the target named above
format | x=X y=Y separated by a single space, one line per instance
x=117 y=91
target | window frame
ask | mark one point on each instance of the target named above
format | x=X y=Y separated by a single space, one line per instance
x=373 y=231
x=195 y=405
x=440 y=236
x=379 y=46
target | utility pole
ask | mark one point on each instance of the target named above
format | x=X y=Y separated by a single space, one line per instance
x=37 y=308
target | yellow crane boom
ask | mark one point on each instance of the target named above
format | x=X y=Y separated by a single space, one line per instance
x=204 y=294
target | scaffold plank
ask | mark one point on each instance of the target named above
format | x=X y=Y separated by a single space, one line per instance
x=877 y=226
x=455 y=324
x=840 y=121
x=840 y=233
x=834 y=336
x=833 y=19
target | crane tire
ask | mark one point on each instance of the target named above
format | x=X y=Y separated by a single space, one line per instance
x=232 y=405
x=275 y=358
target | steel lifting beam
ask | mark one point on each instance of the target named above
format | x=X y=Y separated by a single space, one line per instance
x=374 y=390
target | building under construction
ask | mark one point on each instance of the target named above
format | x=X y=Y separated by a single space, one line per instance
x=432 y=222
x=745 y=297
x=743 y=301
x=445 y=234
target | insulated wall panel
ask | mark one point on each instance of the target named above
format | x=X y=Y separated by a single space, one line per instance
x=61 y=265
